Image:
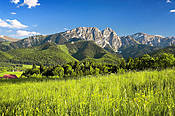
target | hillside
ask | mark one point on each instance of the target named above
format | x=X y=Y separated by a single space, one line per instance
x=84 y=50
x=5 y=46
x=137 y=50
x=45 y=54
x=170 y=50
x=50 y=53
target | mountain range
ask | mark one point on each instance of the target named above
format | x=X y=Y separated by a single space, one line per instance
x=106 y=38
x=82 y=43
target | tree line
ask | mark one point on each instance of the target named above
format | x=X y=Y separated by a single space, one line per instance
x=76 y=69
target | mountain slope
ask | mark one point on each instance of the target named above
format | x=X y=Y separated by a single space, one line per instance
x=137 y=50
x=139 y=44
x=82 y=50
x=52 y=54
x=146 y=39
x=46 y=54
x=169 y=49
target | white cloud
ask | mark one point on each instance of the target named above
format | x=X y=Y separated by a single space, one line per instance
x=15 y=1
x=172 y=11
x=13 y=13
x=16 y=24
x=4 y=23
x=30 y=3
x=168 y=1
x=23 y=33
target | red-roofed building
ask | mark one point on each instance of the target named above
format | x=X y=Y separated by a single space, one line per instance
x=10 y=76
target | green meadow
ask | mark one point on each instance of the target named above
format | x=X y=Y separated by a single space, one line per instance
x=132 y=93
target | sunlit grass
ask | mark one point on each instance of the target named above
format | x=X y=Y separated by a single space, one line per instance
x=133 y=93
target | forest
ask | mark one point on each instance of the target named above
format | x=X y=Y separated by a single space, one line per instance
x=78 y=69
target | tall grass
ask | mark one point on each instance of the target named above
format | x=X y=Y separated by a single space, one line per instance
x=133 y=93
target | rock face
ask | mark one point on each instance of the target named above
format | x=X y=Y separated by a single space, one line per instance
x=145 y=39
x=29 y=42
x=103 y=38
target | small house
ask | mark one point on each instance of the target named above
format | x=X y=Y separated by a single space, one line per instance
x=10 y=76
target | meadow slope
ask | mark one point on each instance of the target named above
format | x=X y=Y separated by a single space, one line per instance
x=133 y=93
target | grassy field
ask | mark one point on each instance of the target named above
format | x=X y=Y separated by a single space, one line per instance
x=133 y=93
x=18 y=74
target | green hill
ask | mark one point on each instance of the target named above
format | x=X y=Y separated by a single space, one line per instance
x=83 y=49
x=137 y=50
x=5 y=46
x=50 y=54
x=45 y=54
x=169 y=49
x=5 y=56
x=88 y=50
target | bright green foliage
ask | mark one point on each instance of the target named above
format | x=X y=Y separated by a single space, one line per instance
x=53 y=54
x=58 y=71
x=73 y=69
x=166 y=60
x=160 y=61
x=89 y=67
x=45 y=54
x=130 y=64
x=134 y=93
x=34 y=66
x=68 y=70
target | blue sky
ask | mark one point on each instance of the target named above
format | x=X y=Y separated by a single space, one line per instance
x=21 y=18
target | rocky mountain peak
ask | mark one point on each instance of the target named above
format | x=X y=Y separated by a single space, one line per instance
x=146 y=39
x=108 y=29
x=104 y=38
